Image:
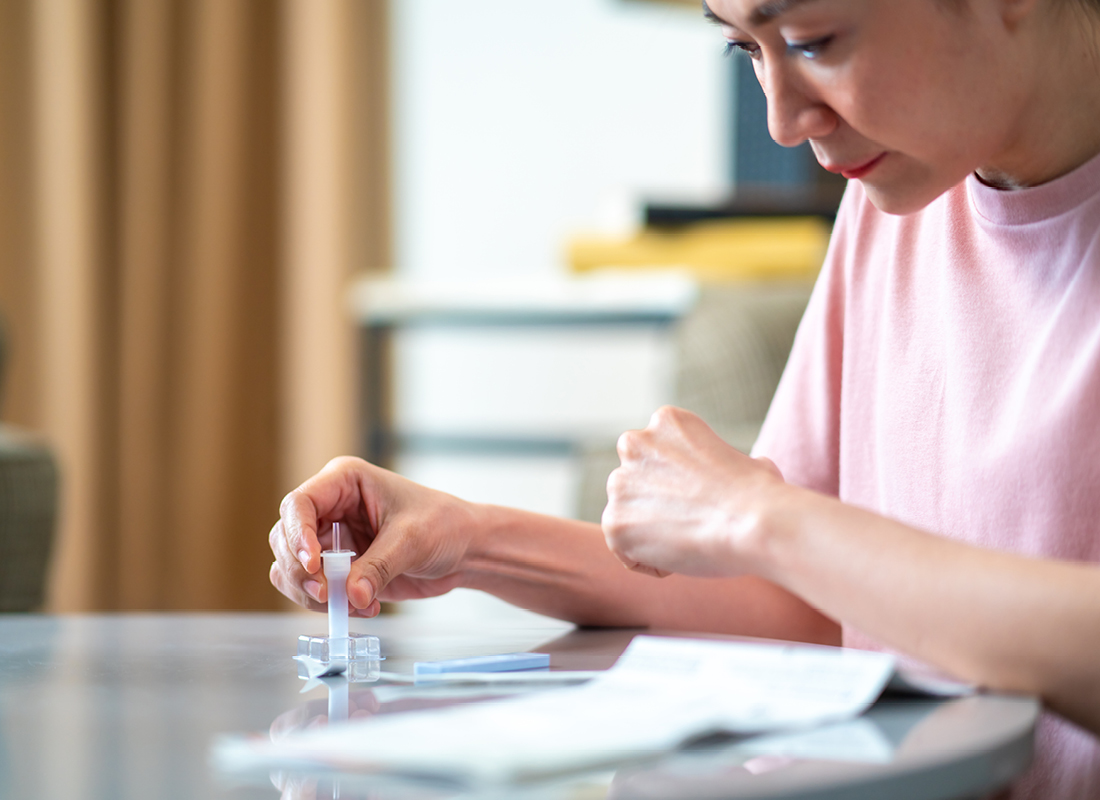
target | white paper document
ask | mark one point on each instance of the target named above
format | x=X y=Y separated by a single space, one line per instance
x=660 y=693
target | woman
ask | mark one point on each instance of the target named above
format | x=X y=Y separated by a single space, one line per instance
x=928 y=478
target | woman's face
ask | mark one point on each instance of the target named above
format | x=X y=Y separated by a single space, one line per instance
x=908 y=96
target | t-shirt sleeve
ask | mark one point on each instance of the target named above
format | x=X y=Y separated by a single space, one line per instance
x=801 y=432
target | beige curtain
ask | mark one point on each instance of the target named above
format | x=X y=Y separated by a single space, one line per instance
x=183 y=185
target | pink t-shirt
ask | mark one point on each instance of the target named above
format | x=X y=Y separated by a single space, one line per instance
x=947 y=374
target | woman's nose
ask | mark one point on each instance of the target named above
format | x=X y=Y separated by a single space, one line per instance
x=794 y=115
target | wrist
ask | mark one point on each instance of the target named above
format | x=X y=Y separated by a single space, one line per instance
x=481 y=527
x=771 y=523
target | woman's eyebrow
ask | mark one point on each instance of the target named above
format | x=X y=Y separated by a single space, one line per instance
x=710 y=16
x=761 y=15
x=773 y=9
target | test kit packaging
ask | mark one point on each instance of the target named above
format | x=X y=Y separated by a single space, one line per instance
x=363 y=655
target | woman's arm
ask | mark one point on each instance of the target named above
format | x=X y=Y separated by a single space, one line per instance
x=1004 y=621
x=684 y=501
x=416 y=542
x=562 y=568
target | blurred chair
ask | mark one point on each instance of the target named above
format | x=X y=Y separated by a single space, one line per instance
x=28 y=513
x=731 y=351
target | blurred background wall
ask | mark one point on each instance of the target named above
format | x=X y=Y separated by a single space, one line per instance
x=518 y=124
x=185 y=186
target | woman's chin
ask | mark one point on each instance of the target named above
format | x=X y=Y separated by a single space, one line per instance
x=900 y=200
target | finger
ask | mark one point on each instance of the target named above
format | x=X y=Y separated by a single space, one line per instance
x=365 y=702
x=658 y=417
x=286 y=723
x=290 y=578
x=617 y=488
x=674 y=415
x=288 y=563
x=629 y=447
x=293 y=591
x=371 y=611
x=668 y=415
x=278 y=779
x=280 y=548
x=298 y=787
x=298 y=515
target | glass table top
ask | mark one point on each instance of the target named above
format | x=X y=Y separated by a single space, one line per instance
x=127 y=706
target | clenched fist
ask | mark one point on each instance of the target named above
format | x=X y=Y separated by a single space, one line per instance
x=685 y=501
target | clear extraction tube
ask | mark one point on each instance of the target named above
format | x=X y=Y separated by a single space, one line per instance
x=337 y=566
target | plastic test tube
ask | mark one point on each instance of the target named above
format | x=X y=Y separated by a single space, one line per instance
x=339 y=701
x=337 y=566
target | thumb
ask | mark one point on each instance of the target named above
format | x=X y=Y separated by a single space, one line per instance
x=385 y=559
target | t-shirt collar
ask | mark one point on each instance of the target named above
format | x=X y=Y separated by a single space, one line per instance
x=1036 y=203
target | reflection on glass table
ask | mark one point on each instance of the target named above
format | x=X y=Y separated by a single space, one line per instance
x=708 y=767
x=127 y=706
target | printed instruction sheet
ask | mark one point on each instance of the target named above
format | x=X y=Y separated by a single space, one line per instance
x=660 y=693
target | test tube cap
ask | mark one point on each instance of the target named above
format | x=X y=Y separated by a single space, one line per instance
x=337 y=560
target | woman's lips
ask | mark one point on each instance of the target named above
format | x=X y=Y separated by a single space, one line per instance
x=859 y=170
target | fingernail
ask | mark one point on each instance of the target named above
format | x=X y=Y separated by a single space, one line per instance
x=313 y=589
x=303 y=556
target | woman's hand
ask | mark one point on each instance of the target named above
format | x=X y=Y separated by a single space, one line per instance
x=685 y=501
x=410 y=540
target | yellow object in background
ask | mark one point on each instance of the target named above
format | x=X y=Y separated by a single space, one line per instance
x=747 y=248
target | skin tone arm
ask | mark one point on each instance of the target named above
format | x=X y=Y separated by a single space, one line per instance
x=415 y=542
x=683 y=501
x=564 y=569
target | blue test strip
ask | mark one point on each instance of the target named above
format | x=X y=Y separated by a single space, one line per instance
x=507 y=662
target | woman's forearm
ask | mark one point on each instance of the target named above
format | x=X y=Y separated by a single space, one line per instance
x=417 y=542
x=1004 y=621
x=562 y=568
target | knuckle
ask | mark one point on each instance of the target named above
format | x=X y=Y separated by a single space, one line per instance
x=335 y=464
x=671 y=416
x=613 y=521
x=628 y=445
x=663 y=416
x=289 y=502
x=343 y=464
x=284 y=585
x=275 y=535
x=616 y=484
x=381 y=570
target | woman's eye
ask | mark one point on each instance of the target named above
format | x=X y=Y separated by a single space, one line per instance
x=733 y=46
x=811 y=49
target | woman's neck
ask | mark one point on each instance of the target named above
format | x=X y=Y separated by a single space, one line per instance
x=1058 y=126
